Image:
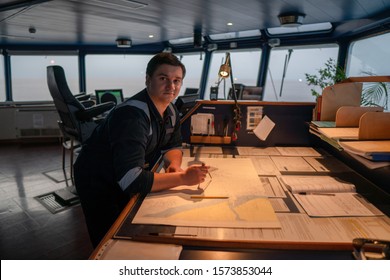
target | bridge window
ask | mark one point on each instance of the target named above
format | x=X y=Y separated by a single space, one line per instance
x=286 y=71
x=194 y=67
x=370 y=56
x=2 y=80
x=245 y=67
x=29 y=82
x=126 y=72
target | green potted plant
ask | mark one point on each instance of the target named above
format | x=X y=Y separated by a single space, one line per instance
x=375 y=94
x=329 y=75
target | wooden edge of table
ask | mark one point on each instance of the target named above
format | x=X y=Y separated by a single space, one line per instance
x=118 y=222
x=212 y=244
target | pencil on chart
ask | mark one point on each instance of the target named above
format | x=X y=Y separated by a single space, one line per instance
x=314 y=193
x=208 y=197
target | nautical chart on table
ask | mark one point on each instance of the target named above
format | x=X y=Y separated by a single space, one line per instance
x=232 y=196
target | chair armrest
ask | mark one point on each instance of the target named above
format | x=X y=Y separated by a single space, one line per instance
x=82 y=96
x=88 y=103
x=94 y=111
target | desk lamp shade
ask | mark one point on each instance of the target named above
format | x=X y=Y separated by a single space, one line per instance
x=224 y=70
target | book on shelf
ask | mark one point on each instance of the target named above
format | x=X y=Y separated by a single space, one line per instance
x=340 y=133
x=327 y=196
x=323 y=123
x=377 y=150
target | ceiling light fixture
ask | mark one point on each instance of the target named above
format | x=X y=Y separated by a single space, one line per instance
x=291 y=19
x=123 y=43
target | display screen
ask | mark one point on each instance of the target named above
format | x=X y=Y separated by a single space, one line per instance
x=105 y=95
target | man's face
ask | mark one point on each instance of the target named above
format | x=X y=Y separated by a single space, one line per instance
x=164 y=85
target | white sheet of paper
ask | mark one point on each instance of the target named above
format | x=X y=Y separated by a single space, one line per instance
x=116 y=249
x=265 y=166
x=298 y=151
x=292 y=164
x=327 y=164
x=264 y=128
x=333 y=205
x=315 y=184
x=257 y=151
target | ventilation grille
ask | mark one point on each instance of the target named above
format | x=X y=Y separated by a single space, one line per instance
x=58 y=201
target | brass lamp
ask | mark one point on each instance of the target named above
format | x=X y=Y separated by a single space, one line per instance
x=224 y=72
x=225 y=69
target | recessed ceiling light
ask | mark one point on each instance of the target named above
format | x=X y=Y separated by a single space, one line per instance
x=151 y=36
x=229 y=23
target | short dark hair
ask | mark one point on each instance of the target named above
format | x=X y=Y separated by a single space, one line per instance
x=164 y=58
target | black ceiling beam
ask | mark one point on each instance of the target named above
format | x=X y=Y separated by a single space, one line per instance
x=21 y=4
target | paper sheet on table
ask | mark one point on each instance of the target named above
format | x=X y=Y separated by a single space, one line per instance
x=116 y=249
x=257 y=151
x=327 y=164
x=298 y=151
x=265 y=166
x=335 y=205
x=288 y=164
x=244 y=205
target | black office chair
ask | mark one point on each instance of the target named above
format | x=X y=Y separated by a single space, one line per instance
x=78 y=116
x=78 y=120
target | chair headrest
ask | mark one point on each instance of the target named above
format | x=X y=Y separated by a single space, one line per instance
x=58 y=86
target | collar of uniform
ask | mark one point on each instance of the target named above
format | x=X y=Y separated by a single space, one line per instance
x=167 y=113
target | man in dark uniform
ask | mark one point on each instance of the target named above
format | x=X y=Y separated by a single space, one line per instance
x=115 y=161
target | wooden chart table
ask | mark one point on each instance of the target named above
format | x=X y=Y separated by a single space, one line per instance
x=299 y=237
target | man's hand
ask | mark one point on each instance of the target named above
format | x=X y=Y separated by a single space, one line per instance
x=195 y=174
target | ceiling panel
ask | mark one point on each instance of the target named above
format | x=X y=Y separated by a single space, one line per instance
x=100 y=22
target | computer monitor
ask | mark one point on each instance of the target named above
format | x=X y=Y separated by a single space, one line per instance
x=238 y=88
x=184 y=103
x=105 y=95
x=252 y=93
x=189 y=91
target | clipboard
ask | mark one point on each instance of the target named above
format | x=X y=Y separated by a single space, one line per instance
x=338 y=95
